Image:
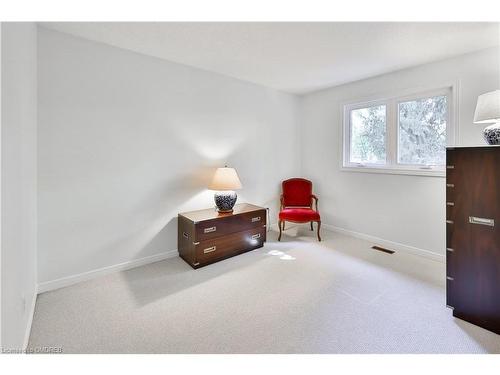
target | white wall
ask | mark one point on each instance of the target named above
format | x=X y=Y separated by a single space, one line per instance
x=127 y=141
x=409 y=210
x=19 y=181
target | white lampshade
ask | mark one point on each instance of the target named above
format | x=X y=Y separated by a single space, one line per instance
x=488 y=108
x=225 y=179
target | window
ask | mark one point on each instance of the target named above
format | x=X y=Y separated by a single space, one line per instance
x=368 y=135
x=405 y=134
x=422 y=131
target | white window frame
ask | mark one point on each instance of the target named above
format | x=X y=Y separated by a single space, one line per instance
x=392 y=166
x=348 y=132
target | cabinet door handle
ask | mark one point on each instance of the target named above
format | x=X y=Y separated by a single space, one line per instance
x=209 y=230
x=254 y=219
x=209 y=249
x=450 y=278
x=185 y=235
x=256 y=236
x=481 y=221
x=450 y=185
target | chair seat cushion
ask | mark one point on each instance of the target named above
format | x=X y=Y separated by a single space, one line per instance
x=299 y=214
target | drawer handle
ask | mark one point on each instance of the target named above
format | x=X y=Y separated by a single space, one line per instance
x=481 y=221
x=450 y=185
x=209 y=249
x=449 y=278
x=254 y=219
x=450 y=167
x=209 y=230
x=450 y=203
x=256 y=236
x=450 y=249
x=449 y=221
x=185 y=235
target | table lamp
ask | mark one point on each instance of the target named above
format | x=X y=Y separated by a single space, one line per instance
x=488 y=112
x=225 y=181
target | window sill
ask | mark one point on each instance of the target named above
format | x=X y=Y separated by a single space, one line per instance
x=403 y=171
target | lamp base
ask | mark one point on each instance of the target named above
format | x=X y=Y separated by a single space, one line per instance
x=491 y=134
x=225 y=200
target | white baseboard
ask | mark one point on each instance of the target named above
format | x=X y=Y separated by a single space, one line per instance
x=388 y=244
x=376 y=240
x=47 y=286
x=74 y=279
x=31 y=312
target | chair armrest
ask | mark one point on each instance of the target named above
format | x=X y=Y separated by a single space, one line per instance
x=316 y=201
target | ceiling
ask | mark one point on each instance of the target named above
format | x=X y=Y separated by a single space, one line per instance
x=293 y=57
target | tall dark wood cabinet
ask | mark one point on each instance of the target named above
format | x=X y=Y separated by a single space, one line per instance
x=473 y=235
x=207 y=236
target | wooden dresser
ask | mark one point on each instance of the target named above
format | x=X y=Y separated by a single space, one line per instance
x=473 y=235
x=207 y=236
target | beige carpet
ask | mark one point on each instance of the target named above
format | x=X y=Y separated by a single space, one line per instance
x=296 y=296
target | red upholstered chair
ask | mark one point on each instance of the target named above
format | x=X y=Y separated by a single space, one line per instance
x=297 y=203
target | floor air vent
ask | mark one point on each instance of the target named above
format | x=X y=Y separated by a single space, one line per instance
x=382 y=249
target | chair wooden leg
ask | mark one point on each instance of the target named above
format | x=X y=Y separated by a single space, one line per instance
x=279 y=225
x=283 y=224
x=319 y=226
x=312 y=226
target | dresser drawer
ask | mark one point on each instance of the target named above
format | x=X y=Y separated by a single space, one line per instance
x=207 y=236
x=210 y=229
x=451 y=259
x=229 y=245
x=450 y=292
x=451 y=188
